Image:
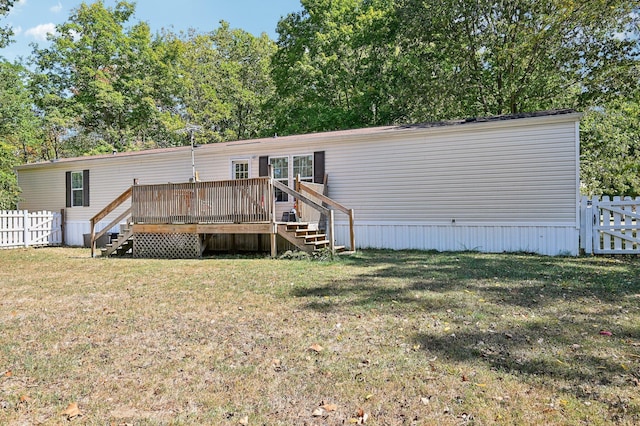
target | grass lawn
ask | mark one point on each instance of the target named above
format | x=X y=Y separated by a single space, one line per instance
x=393 y=338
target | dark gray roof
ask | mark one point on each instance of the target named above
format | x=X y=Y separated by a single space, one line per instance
x=487 y=119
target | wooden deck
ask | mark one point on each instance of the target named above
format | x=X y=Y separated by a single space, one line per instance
x=160 y=214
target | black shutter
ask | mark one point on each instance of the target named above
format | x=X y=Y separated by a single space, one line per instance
x=318 y=167
x=68 y=188
x=85 y=188
x=263 y=166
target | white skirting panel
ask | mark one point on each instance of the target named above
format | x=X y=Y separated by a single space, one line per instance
x=75 y=230
x=550 y=240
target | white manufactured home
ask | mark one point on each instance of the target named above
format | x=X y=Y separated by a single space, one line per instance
x=499 y=184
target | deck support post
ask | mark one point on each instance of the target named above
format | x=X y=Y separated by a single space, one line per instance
x=272 y=207
x=274 y=245
x=352 y=233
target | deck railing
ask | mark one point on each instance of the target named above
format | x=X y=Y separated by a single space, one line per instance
x=230 y=201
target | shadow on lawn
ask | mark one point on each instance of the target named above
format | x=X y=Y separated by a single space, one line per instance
x=562 y=304
x=516 y=279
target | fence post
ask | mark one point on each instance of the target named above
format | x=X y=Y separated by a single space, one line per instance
x=26 y=228
x=591 y=221
x=62 y=226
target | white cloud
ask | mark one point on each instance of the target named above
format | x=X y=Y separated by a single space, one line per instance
x=17 y=30
x=56 y=9
x=40 y=32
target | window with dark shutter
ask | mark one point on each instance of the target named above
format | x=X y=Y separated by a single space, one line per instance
x=77 y=189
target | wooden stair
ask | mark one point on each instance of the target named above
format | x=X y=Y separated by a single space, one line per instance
x=121 y=245
x=305 y=238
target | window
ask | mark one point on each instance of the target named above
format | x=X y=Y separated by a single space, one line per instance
x=240 y=169
x=310 y=167
x=280 y=166
x=303 y=166
x=77 y=189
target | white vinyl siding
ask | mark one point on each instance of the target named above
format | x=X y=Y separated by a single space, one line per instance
x=495 y=176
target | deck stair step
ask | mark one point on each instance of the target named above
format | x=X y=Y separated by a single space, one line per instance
x=305 y=238
x=312 y=237
x=297 y=226
x=121 y=245
x=319 y=243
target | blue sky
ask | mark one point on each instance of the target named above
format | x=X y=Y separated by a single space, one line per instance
x=32 y=19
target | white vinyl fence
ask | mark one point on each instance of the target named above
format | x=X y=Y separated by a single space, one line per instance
x=610 y=226
x=21 y=228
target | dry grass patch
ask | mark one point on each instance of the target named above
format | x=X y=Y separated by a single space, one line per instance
x=393 y=337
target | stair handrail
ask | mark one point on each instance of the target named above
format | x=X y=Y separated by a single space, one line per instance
x=311 y=203
x=299 y=196
x=336 y=205
x=104 y=213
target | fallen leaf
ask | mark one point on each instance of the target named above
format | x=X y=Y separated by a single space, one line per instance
x=25 y=399
x=368 y=397
x=329 y=407
x=316 y=347
x=318 y=412
x=276 y=364
x=360 y=412
x=605 y=333
x=72 y=411
x=244 y=421
x=8 y=373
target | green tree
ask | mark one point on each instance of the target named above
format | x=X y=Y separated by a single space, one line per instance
x=610 y=142
x=513 y=56
x=115 y=80
x=9 y=191
x=351 y=63
x=334 y=67
x=227 y=82
x=5 y=32
x=19 y=129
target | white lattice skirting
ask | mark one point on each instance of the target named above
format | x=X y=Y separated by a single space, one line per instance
x=166 y=246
